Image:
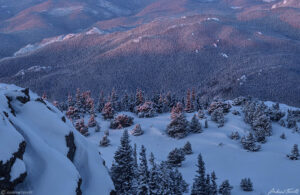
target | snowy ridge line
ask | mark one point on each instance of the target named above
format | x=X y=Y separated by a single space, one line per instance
x=45 y=160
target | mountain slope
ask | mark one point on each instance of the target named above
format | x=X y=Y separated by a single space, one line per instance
x=45 y=154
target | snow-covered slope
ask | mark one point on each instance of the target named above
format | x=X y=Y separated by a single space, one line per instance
x=41 y=152
x=268 y=169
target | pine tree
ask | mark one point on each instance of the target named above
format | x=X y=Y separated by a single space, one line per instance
x=207 y=183
x=195 y=125
x=122 y=170
x=201 y=114
x=108 y=111
x=213 y=187
x=187 y=148
x=295 y=153
x=121 y=121
x=225 y=188
x=137 y=131
x=101 y=102
x=98 y=128
x=176 y=157
x=218 y=116
x=282 y=136
x=143 y=182
x=178 y=127
x=154 y=180
x=92 y=122
x=189 y=105
x=235 y=135
x=249 y=144
x=199 y=185
x=246 y=185
x=125 y=102
x=104 y=141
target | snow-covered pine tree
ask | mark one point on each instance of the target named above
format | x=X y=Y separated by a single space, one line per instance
x=189 y=106
x=72 y=113
x=177 y=184
x=170 y=180
x=125 y=102
x=201 y=114
x=282 y=123
x=195 y=125
x=225 y=188
x=143 y=173
x=178 y=127
x=108 y=111
x=137 y=131
x=282 y=136
x=176 y=157
x=122 y=170
x=121 y=121
x=187 y=148
x=106 y=132
x=213 y=187
x=295 y=153
x=145 y=110
x=246 y=185
x=154 y=180
x=139 y=99
x=249 y=144
x=104 y=141
x=199 y=185
x=92 y=122
x=235 y=135
x=101 y=102
x=218 y=116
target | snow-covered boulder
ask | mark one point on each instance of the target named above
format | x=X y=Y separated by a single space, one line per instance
x=41 y=152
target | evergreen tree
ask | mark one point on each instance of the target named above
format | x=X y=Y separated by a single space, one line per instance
x=178 y=127
x=189 y=105
x=187 y=148
x=108 y=111
x=213 y=187
x=207 y=183
x=295 y=153
x=143 y=173
x=282 y=136
x=154 y=180
x=249 y=144
x=101 y=102
x=106 y=132
x=176 y=157
x=122 y=170
x=235 y=135
x=125 y=102
x=218 y=116
x=92 y=122
x=104 y=141
x=137 y=131
x=97 y=129
x=199 y=185
x=225 y=188
x=246 y=185
x=195 y=125
x=201 y=114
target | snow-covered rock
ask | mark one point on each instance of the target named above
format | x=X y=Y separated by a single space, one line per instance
x=41 y=152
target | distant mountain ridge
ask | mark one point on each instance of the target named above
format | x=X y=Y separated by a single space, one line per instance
x=222 y=48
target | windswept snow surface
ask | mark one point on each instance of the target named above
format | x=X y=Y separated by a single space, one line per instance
x=49 y=170
x=268 y=169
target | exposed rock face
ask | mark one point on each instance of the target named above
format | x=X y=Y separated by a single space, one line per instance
x=71 y=145
x=53 y=150
x=7 y=182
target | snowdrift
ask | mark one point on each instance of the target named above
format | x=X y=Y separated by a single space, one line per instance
x=42 y=153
